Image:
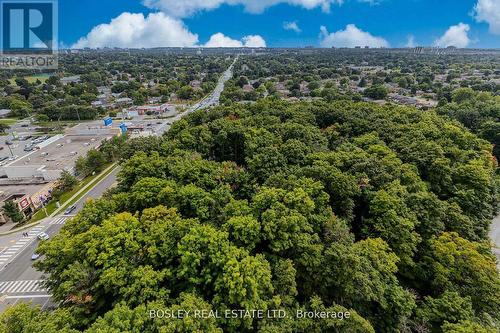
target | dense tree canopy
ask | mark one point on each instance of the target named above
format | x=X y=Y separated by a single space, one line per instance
x=379 y=211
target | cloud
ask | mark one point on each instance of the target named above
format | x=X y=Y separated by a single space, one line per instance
x=254 y=41
x=185 y=8
x=456 y=35
x=136 y=31
x=351 y=36
x=221 y=40
x=292 y=26
x=155 y=30
x=410 y=42
x=489 y=11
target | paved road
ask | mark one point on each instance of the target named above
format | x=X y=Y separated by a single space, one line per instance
x=210 y=100
x=19 y=281
x=495 y=237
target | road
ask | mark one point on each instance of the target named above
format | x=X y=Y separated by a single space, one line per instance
x=19 y=281
x=210 y=100
x=495 y=237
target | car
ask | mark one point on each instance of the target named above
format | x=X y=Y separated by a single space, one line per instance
x=43 y=236
x=25 y=125
x=69 y=210
x=35 y=256
x=13 y=158
x=4 y=158
x=9 y=143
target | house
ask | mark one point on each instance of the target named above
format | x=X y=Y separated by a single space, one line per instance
x=247 y=88
x=124 y=101
x=70 y=79
x=155 y=109
x=154 y=100
x=104 y=90
x=96 y=104
x=103 y=98
x=195 y=84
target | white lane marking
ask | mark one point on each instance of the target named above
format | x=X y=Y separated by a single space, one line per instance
x=60 y=220
x=28 y=296
x=13 y=251
x=22 y=286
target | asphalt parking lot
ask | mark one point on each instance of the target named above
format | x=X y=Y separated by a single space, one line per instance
x=61 y=153
x=22 y=129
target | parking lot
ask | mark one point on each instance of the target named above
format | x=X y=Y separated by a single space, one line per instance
x=21 y=130
x=60 y=154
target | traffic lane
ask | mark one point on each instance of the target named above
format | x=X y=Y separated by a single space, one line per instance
x=37 y=300
x=20 y=268
x=98 y=190
x=495 y=238
x=44 y=301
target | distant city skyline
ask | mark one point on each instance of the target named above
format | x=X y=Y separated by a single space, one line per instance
x=279 y=23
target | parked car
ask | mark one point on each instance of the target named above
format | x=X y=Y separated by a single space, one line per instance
x=13 y=158
x=69 y=210
x=43 y=236
x=35 y=256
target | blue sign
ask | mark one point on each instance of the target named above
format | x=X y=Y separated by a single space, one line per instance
x=108 y=121
x=123 y=127
x=29 y=26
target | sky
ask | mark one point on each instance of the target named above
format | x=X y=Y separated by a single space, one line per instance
x=279 y=23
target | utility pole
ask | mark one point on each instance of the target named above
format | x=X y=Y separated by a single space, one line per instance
x=10 y=149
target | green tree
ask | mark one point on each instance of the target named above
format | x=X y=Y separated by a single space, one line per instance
x=467 y=268
x=25 y=318
x=467 y=326
x=11 y=210
x=376 y=91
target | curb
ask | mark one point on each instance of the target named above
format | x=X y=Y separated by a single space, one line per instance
x=96 y=181
x=24 y=227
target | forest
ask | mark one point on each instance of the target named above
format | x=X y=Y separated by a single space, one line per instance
x=379 y=211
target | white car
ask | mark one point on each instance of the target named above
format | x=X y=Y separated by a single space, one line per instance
x=13 y=158
x=43 y=236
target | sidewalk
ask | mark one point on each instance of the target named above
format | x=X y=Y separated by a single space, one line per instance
x=96 y=181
